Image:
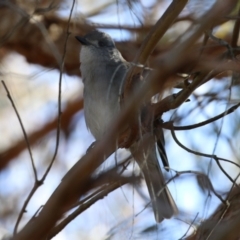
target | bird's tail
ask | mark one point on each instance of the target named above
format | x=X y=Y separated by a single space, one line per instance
x=144 y=152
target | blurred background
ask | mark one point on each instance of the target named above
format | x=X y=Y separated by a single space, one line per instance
x=32 y=46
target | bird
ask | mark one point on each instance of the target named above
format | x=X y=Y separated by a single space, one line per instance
x=103 y=71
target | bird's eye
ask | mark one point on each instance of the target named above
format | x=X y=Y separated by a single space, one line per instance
x=101 y=44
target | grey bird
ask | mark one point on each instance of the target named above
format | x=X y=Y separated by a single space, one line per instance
x=103 y=71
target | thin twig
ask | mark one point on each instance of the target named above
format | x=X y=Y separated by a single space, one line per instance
x=197 y=125
x=190 y=226
x=23 y=209
x=203 y=155
x=23 y=129
x=60 y=96
x=178 y=173
x=37 y=183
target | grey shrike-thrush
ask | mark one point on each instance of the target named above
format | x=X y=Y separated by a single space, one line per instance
x=103 y=71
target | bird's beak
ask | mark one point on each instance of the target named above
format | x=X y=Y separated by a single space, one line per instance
x=82 y=40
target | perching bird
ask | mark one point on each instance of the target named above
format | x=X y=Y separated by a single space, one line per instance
x=103 y=71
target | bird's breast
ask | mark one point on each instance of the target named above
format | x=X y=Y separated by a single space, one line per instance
x=99 y=108
x=102 y=87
